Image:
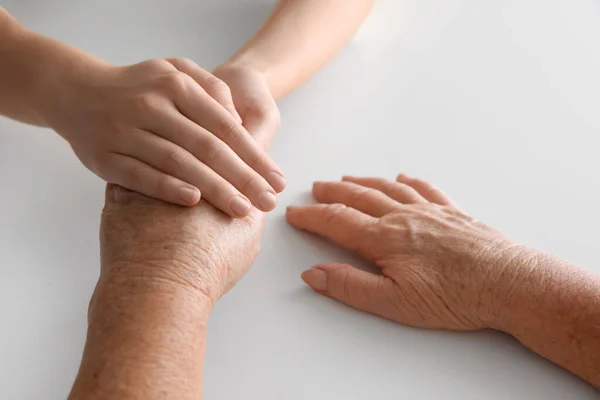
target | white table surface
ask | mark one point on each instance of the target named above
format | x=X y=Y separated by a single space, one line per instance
x=495 y=101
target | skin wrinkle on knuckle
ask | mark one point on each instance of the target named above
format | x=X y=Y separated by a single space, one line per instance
x=218 y=87
x=175 y=161
x=211 y=148
x=356 y=294
x=359 y=196
x=332 y=213
x=248 y=183
x=230 y=131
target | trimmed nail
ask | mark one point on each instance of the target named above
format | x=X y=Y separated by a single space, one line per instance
x=267 y=201
x=317 y=187
x=276 y=180
x=315 y=278
x=240 y=206
x=190 y=196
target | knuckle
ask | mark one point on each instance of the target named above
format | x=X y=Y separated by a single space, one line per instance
x=145 y=103
x=359 y=195
x=163 y=184
x=258 y=158
x=249 y=182
x=175 y=161
x=212 y=149
x=332 y=212
x=230 y=130
x=175 y=82
x=381 y=182
x=218 y=191
x=180 y=62
x=217 y=85
x=357 y=294
x=134 y=177
x=158 y=65
x=421 y=183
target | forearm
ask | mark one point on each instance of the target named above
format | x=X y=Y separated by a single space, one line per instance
x=33 y=69
x=299 y=37
x=556 y=313
x=146 y=340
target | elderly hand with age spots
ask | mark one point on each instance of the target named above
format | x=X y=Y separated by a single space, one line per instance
x=438 y=265
x=442 y=269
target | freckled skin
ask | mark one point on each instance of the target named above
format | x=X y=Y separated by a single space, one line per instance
x=442 y=269
x=163 y=268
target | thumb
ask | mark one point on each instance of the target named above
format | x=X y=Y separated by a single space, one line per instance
x=262 y=124
x=215 y=87
x=359 y=289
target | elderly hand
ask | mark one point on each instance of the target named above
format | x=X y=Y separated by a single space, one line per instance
x=440 y=268
x=196 y=248
x=167 y=129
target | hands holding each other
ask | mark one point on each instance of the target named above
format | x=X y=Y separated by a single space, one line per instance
x=170 y=130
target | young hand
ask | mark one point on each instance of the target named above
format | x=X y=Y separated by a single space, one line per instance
x=167 y=129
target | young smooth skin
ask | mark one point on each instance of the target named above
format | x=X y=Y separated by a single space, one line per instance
x=442 y=269
x=299 y=37
x=165 y=128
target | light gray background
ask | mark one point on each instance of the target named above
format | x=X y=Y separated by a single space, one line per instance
x=495 y=101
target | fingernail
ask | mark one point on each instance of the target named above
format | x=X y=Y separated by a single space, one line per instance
x=240 y=206
x=267 y=201
x=315 y=278
x=317 y=187
x=276 y=180
x=189 y=195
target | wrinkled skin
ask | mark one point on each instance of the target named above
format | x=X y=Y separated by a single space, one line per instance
x=197 y=247
x=440 y=268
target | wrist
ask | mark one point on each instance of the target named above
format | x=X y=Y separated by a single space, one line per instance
x=247 y=64
x=157 y=279
x=517 y=272
x=245 y=60
x=142 y=330
x=58 y=74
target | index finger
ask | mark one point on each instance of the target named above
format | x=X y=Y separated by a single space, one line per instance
x=345 y=226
